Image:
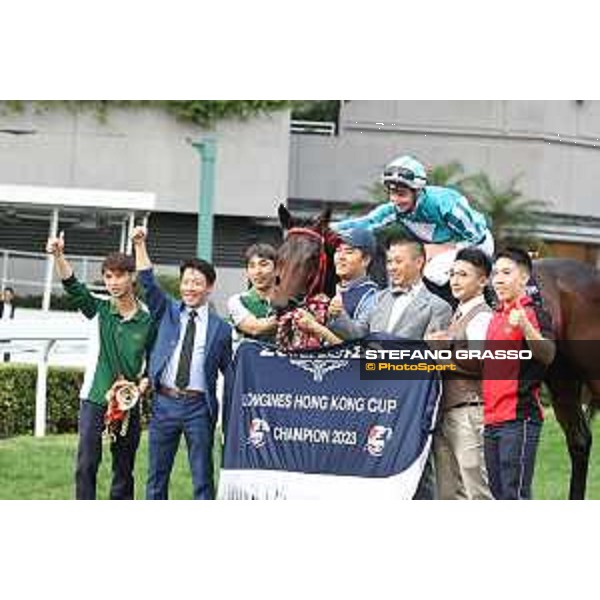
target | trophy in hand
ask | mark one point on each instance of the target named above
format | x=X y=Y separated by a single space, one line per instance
x=121 y=398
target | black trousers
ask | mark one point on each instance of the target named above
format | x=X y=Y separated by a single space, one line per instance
x=510 y=451
x=5 y=355
x=89 y=453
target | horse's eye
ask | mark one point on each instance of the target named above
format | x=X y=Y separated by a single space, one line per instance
x=277 y=280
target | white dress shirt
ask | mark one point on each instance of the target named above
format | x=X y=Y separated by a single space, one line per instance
x=477 y=327
x=197 y=380
x=7 y=311
x=400 y=304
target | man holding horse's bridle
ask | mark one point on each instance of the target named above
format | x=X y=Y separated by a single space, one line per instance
x=439 y=217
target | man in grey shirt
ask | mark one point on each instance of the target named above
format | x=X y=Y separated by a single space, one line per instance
x=406 y=308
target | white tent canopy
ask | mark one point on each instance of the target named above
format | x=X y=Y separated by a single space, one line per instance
x=125 y=203
x=52 y=197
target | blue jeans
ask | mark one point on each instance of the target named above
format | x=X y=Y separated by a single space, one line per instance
x=89 y=453
x=510 y=450
x=171 y=418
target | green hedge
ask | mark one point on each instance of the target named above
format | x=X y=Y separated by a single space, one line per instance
x=17 y=399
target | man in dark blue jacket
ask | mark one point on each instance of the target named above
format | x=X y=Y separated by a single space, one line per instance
x=356 y=291
x=191 y=347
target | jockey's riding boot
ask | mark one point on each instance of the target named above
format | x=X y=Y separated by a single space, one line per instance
x=443 y=291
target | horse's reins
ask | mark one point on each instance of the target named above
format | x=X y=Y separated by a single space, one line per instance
x=318 y=281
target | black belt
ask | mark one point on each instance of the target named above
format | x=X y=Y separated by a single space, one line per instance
x=180 y=394
x=463 y=404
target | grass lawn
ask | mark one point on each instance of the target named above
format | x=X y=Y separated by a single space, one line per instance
x=33 y=468
x=43 y=469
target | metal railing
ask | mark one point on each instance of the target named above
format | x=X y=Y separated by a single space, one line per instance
x=25 y=271
x=313 y=127
x=46 y=332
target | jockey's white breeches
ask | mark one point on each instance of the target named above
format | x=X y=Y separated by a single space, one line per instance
x=437 y=268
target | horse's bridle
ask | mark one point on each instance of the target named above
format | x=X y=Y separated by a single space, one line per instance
x=318 y=281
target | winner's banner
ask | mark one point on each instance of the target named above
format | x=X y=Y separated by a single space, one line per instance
x=305 y=425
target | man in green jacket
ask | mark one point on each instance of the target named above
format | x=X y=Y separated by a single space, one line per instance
x=121 y=336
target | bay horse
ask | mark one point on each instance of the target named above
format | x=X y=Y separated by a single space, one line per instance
x=571 y=293
x=305 y=276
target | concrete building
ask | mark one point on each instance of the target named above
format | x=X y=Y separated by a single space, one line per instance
x=147 y=149
x=554 y=145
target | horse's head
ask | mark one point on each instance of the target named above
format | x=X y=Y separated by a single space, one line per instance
x=305 y=259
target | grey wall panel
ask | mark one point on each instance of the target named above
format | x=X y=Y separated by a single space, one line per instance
x=555 y=145
x=432 y=113
x=43 y=159
x=146 y=149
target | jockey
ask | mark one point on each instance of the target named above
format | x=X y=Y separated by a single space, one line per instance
x=439 y=217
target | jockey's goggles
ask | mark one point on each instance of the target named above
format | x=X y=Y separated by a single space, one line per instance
x=401 y=173
x=394 y=186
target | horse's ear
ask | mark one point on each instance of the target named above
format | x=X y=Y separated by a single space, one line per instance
x=285 y=218
x=324 y=218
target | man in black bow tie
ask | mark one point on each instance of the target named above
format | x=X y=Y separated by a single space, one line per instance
x=406 y=308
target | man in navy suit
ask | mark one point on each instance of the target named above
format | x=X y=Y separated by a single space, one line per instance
x=192 y=345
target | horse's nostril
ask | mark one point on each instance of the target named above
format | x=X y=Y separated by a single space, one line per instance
x=277 y=280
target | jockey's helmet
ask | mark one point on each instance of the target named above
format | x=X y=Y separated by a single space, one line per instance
x=406 y=171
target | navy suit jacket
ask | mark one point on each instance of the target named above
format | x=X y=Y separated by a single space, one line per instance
x=166 y=311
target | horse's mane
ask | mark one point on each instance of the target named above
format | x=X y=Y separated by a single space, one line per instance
x=330 y=277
